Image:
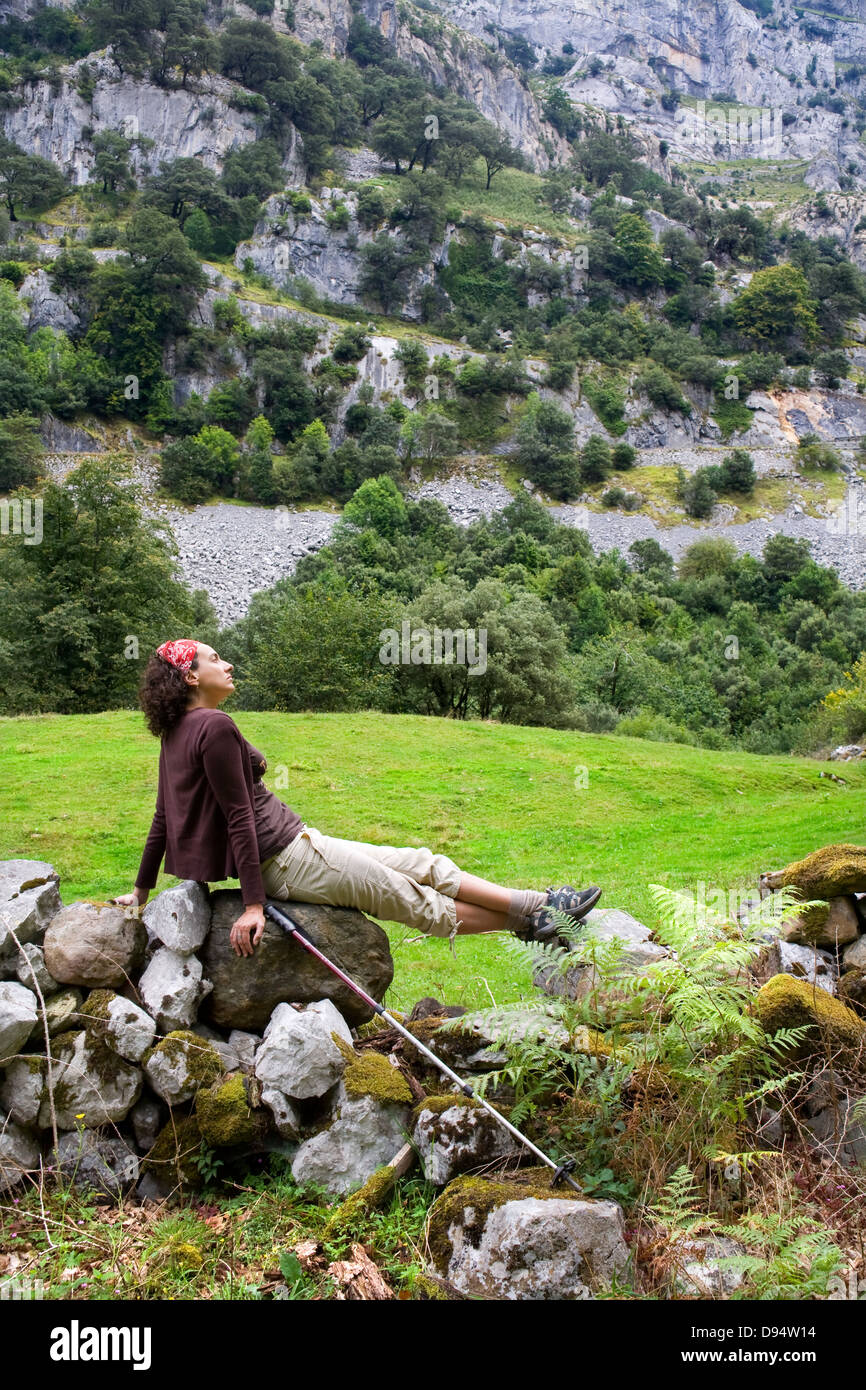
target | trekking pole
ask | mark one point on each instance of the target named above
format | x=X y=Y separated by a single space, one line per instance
x=561 y=1171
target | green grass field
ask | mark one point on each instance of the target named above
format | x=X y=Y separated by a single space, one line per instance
x=506 y=802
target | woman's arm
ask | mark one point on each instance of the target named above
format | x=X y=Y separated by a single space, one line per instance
x=154 y=849
x=223 y=760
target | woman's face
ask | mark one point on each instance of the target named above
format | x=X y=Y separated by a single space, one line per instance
x=211 y=679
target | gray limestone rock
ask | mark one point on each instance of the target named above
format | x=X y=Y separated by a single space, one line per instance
x=33 y=969
x=17 y=1017
x=147 y=1118
x=246 y=989
x=172 y=988
x=19 y=1154
x=180 y=1064
x=245 y=1045
x=287 y=1117
x=459 y=1139
x=179 y=917
x=298 y=1055
x=365 y=1135
x=92 y=1085
x=94 y=946
x=700 y=1268
x=100 y=1164
x=537 y=1248
x=21 y=1089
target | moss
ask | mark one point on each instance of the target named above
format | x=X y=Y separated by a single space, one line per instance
x=811 y=922
x=225 y=1116
x=203 y=1062
x=468 y=1201
x=171 y=1160
x=371 y=1074
x=185 y=1255
x=375 y=1192
x=97 y=1004
x=786 y=1002
x=831 y=872
x=437 y=1290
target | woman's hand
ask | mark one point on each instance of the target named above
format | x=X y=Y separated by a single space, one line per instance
x=253 y=918
x=138 y=897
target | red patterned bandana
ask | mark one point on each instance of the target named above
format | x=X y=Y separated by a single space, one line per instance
x=180 y=654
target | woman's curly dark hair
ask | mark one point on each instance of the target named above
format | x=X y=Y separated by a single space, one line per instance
x=163 y=694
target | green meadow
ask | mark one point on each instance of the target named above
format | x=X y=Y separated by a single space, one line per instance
x=527 y=807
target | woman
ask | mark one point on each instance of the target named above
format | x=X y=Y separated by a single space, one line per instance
x=215 y=819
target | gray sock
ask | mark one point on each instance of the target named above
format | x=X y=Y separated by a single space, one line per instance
x=523 y=902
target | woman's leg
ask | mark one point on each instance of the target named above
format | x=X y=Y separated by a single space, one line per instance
x=482 y=905
x=322 y=868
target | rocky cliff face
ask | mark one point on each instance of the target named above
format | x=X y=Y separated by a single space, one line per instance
x=59 y=123
x=701 y=50
x=463 y=64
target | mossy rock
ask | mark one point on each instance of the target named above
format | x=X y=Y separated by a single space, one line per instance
x=786 y=1002
x=225 y=1115
x=481 y=1196
x=831 y=872
x=809 y=926
x=203 y=1062
x=437 y=1105
x=171 y=1160
x=851 y=990
x=371 y=1074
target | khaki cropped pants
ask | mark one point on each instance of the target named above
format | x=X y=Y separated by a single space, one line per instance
x=408 y=885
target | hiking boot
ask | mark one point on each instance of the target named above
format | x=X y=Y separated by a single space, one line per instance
x=541 y=926
x=572 y=900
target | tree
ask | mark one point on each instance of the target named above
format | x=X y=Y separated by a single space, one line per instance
x=638 y=262
x=300 y=475
x=516 y=676
x=127 y=26
x=393 y=140
x=371 y=206
x=497 y=152
x=184 y=42
x=595 y=459
x=545 y=447
x=713 y=556
x=27 y=181
x=777 y=307
x=623 y=456
x=379 y=505
x=111 y=152
x=385 y=266
x=20 y=451
x=256 y=55
x=431 y=436
x=649 y=556
x=812 y=452
x=253 y=171
x=737 y=472
x=699 y=497
x=102 y=571
x=257 y=469
x=832 y=367
x=194 y=469
x=164 y=268
x=198 y=232
x=312 y=647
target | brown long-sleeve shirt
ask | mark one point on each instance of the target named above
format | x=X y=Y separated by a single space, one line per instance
x=214 y=818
